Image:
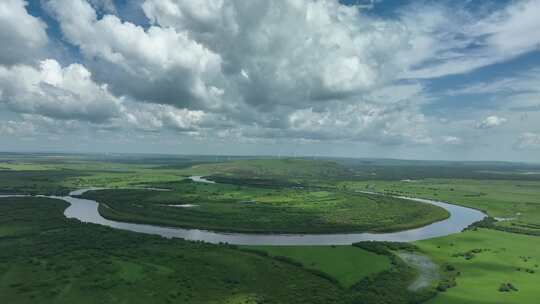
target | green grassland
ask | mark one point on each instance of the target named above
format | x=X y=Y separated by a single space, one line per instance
x=252 y=209
x=39 y=176
x=299 y=170
x=370 y=272
x=500 y=258
x=480 y=261
x=47 y=258
x=347 y=264
x=323 y=170
x=257 y=208
x=513 y=199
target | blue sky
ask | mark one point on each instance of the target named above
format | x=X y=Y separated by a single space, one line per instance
x=380 y=78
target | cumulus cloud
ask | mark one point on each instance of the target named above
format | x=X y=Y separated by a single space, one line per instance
x=49 y=94
x=22 y=35
x=239 y=63
x=209 y=54
x=333 y=52
x=157 y=64
x=55 y=91
x=371 y=122
x=255 y=70
x=491 y=122
x=154 y=117
x=528 y=141
x=16 y=128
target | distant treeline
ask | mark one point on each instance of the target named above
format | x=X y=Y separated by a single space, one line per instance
x=462 y=172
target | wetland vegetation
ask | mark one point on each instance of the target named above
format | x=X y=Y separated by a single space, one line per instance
x=46 y=257
x=236 y=208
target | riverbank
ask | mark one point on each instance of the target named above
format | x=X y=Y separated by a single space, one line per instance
x=461 y=217
x=255 y=210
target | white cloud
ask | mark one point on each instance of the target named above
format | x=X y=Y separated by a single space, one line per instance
x=514 y=30
x=16 y=128
x=239 y=63
x=334 y=50
x=56 y=97
x=198 y=53
x=451 y=41
x=517 y=82
x=55 y=91
x=295 y=69
x=452 y=140
x=154 y=117
x=22 y=36
x=360 y=122
x=159 y=64
x=518 y=91
x=528 y=141
x=398 y=93
x=491 y=122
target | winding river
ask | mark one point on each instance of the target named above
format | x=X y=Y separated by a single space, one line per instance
x=460 y=217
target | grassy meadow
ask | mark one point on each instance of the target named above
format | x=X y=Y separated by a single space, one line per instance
x=47 y=258
x=516 y=200
x=347 y=264
x=486 y=259
x=252 y=209
x=292 y=170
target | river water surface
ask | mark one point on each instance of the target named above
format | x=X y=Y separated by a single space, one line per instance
x=460 y=217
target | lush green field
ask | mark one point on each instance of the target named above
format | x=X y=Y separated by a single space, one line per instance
x=59 y=175
x=501 y=258
x=513 y=199
x=347 y=264
x=277 y=206
x=254 y=209
x=46 y=258
x=294 y=170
